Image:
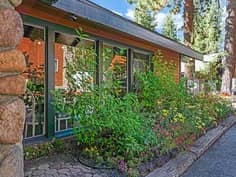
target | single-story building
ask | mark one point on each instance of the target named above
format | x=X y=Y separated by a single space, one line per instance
x=50 y=39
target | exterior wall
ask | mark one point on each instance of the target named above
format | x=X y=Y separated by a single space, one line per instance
x=39 y=10
x=55 y=20
x=175 y=58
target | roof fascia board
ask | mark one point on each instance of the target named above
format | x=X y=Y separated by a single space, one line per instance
x=102 y=16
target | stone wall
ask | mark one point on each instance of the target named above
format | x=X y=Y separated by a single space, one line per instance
x=12 y=85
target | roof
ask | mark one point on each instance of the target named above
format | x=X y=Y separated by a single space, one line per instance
x=97 y=14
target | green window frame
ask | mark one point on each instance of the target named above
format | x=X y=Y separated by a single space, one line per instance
x=50 y=30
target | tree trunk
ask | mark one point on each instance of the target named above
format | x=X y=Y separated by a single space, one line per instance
x=188 y=34
x=226 y=81
x=188 y=21
x=189 y=70
x=230 y=47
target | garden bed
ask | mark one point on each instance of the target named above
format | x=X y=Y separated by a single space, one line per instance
x=65 y=159
x=139 y=130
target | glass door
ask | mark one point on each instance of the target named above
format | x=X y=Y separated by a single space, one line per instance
x=74 y=64
x=33 y=47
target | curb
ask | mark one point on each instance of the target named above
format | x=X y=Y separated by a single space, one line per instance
x=177 y=166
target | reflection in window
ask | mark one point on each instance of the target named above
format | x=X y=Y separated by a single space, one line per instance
x=140 y=64
x=115 y=66
x=75 y=69
x=33 y=47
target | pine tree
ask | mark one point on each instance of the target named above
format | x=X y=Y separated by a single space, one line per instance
x=207 y=26
x=153 y=5
x=169 y=28
x=145 y=17
x=230 y=49
x=188 y=36
x=188 y=22
x=146 y=10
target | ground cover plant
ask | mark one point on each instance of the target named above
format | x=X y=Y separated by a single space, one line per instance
x=159 y=116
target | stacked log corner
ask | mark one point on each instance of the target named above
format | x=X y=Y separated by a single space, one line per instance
x=12 y=86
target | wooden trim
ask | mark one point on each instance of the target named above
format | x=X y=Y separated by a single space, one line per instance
x=99 y=62
x=129 y=69
x=50 y=83
x=40 y=11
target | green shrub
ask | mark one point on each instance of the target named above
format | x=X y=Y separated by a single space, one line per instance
x=107 y=122
x=45 y=149
x=179 y=116
x=160 y=115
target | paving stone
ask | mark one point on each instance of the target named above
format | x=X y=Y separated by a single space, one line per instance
x=62 y=175
x=67 y=165
x=55 y=175
x=38 y=172
x=51 y=171
x=75 y=170
x=56 y=166
x=47 y=168
x=96 y=175
x=48 y=175
x=76 y=175
x=11 y=28
x=64 y=171
x=43 y=167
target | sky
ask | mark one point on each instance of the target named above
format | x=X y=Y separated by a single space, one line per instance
x=124 y=9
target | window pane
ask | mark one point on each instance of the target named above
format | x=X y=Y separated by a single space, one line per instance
x=140 y=64
x=115 y=66
x=33 y=47
x=74 y=71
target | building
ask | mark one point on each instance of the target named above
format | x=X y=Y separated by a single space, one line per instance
x=50 y=41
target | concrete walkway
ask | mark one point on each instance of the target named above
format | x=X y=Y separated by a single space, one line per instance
x=219 y=160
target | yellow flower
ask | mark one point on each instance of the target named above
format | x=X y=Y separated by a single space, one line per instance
x=165 y=112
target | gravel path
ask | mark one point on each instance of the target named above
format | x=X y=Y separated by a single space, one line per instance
x=62 y=166
x=219 y=160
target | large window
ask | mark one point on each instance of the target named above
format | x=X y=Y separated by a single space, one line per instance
x=75 y=70
x=56 y=59
x=115 y=66
x=33 y=47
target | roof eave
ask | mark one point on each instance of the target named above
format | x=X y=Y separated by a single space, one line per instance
x=109 y=19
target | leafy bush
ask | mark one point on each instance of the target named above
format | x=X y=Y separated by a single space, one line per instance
x=159 y=116
x=179 y=116
x=110 y=123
